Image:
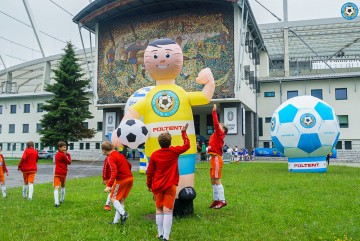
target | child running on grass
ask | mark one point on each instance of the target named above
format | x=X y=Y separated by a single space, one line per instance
x=120 y=182
x=162 y=179
x=3 y=170
x=216 y=143
x=28 y=166
x=62 y=160
x=106 y=174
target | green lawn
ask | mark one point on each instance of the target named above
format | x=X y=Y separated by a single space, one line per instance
x=265 y=202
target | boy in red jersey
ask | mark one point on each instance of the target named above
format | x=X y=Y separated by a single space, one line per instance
x=163 y=177
x=62 y=160
x=28 y=167
x=3 y=170
x=106 y=173
x=120 y=182
x=215 y=149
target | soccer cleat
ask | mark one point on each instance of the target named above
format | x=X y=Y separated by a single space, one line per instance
x=214 y=203
x=112 y=223
x=57 y=205
x=160 y=237
x=220 y=204
x=61 y=201
x=30 y=199
x=107 y=208
x=123 y=218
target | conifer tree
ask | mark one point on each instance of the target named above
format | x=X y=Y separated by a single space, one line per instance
x=68 y=109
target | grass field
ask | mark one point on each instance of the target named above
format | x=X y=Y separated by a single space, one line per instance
x=15 y=162
x=265 y=202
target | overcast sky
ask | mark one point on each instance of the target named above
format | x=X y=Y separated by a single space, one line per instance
x=54 y=17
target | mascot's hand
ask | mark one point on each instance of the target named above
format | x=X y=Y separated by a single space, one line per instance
x=205 y=76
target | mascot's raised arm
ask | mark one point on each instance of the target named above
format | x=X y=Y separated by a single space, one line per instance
x=167 y=107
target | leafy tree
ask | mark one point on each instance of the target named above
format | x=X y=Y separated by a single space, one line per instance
x=68 y=109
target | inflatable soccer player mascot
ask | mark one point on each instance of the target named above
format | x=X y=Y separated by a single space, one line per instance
x=167 y=107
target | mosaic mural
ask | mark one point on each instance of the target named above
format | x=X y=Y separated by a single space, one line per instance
x=206 y=38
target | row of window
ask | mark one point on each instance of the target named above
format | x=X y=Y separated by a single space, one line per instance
x=26 y=127
x=40 y=146
x=340 y=93
x=26 y=108
x=339 y=145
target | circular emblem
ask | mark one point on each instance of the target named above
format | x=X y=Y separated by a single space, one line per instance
x=230 y=116
x=110 y=119
x=273 y=124
x=349 y=11
x=165 y=103
x=307 y=120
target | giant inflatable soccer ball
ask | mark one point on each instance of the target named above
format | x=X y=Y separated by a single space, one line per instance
x=305 y=128
x=132 y=133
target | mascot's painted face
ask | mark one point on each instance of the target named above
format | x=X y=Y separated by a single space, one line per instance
x=163 y=59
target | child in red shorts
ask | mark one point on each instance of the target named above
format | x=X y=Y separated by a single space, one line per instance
x=106 y=173
x=162 y=179
x=3 y=170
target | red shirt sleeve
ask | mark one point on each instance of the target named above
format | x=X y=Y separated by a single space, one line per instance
x=216 y=123
x=150 y=173
x=114 y=171
x=185 y=146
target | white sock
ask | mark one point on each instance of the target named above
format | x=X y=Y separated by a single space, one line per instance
x=220 y=189
x=62 y=197
x=159 y=223
x=56 y=196
x=24 y=191
x=117 y=217
x=108 y=201
x=31 y=190
x=3 y=189
x=119 y=207
x=167 y=223
x=215 y=192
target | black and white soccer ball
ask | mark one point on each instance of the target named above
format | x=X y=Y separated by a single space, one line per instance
x=132 y=133
x=349 y=11
x=165 y=102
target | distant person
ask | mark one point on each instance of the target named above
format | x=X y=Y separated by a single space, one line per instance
x=203 y=152
x=3 y=170
x=120 y=182
x=62 y=160
x=252 y=154
x=216 y=143
x=106 y=174
x=328 y=158
x=28 y=166
x=163 y=178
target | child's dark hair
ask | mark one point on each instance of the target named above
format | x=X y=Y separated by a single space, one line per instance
x=224 y=127
x=61 y=144
x=164 y=139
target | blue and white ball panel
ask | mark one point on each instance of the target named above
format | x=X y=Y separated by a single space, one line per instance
x=288 y=134
x=328 y=132
x=307 y=121
x=310 y=164
x=287 y=114
x=325 y=111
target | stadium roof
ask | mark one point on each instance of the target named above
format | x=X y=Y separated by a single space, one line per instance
x=330 y=38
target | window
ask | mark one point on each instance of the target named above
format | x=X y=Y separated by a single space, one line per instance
x=25 y=128
x=0 y=109
x=38 y=127
x=341 y=94
x=8 y=147
x=247 y=72
x=11 y=128
x=267 y=119
x=97 y=146
x=41 y=146
x=209 y=125
x=12 y=109
x=22 y=146
x=339 y=145
x=269 y=94
x=0 y=128
x=14 y=146
x=292 y=93
x=40 y=107
x=81 y=146
x=266 y=144
x=343 y=121
x=86 y=125
x=99 y=126
x=348 y=145
x=36 y=145
x=71 y=146
x=260 y=127
x=317 y=93
x=26 y=108
x=87 y=146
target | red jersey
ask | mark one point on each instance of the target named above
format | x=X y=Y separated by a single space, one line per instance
x=120 y=168
x=163 y=170
x=2 y=164
x=28 y=160
x=216 y=141
x=62 y=160
x=106 y=172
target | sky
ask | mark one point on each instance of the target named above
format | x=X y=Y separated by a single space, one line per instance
x=54 y=17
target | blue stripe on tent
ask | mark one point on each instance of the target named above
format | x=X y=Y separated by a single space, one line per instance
x=309 y=170
x=187 y=164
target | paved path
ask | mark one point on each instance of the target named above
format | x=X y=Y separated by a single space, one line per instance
x=45 y=172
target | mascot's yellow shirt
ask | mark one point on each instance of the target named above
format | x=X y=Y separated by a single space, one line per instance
x=168 y=108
